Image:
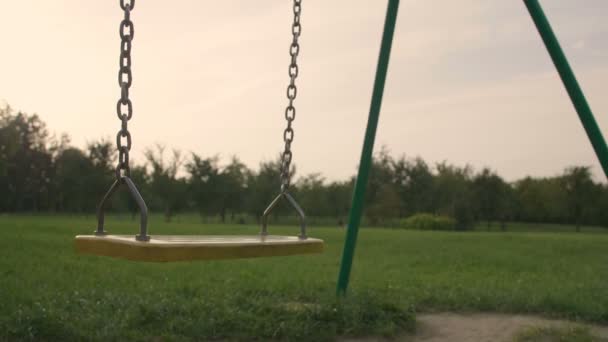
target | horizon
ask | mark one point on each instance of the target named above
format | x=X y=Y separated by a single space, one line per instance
x=448 y=70
x=223 y=161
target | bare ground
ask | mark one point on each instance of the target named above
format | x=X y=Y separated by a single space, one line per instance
x=479 y=327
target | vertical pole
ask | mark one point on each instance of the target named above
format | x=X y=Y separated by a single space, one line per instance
x=574 y=90
x=356 y=209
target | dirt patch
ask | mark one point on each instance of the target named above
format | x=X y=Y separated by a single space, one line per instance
x=480 y=327
x=483 y=327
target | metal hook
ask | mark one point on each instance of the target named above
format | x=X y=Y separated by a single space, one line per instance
x=143 y=209
x=294 y=205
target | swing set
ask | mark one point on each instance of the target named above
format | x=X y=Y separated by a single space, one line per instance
x=170 y=248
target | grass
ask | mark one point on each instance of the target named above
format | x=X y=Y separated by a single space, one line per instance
x=49 y=293
x=539 y=227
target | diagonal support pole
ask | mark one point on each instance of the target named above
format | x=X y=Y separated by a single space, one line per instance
x=356 y=209
x=574 y=90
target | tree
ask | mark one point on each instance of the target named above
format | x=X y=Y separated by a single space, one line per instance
x=217 y=190
x=602 y=204
x=312 y=194
x=71 y=169
x=385 y=206
x=414 y=181
x=454 y=194
x=579 y=188
x=168 y=190
x=25 y=162
x=541 y=200
x=381 y=196
x=263 y=186
x=489 y=191
x=233 y=179
x=101 y=157
x=339 y=195
x=41 y=172
x=204 y=184
x=102 y=154
x=507 y=205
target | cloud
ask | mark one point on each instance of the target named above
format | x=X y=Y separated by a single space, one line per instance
x=579 y=44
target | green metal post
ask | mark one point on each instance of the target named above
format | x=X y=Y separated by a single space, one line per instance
x=356 y=209
x=574 y=90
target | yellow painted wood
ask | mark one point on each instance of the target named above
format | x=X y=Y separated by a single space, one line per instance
x=167 y=248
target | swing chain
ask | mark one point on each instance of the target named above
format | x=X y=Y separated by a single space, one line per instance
x=124 y=106
x=292 y=91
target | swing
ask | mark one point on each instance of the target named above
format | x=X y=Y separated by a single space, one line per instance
x=167 y=248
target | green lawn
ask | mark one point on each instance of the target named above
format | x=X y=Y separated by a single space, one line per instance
x=48 y=292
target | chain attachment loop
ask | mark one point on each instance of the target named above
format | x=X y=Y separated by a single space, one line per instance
x=127 y=5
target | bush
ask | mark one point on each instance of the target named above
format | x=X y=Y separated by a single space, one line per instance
x=424 y=221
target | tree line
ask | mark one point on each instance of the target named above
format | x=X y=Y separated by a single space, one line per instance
x=40 y=172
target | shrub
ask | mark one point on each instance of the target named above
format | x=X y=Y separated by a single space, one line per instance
x=425 y=221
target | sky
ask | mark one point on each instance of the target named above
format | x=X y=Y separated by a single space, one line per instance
x=469 y=81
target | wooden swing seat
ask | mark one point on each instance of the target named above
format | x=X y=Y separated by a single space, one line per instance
x=169 y=248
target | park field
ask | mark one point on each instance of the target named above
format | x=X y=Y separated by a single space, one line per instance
x=47 y=292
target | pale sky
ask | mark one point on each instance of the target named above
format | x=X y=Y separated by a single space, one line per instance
x=469 y=80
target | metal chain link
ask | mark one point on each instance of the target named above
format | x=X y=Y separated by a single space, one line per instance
x=124 y=106
x=292 y=92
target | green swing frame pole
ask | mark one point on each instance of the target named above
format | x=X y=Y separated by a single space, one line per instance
x=574 y=90
x=356 y=209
